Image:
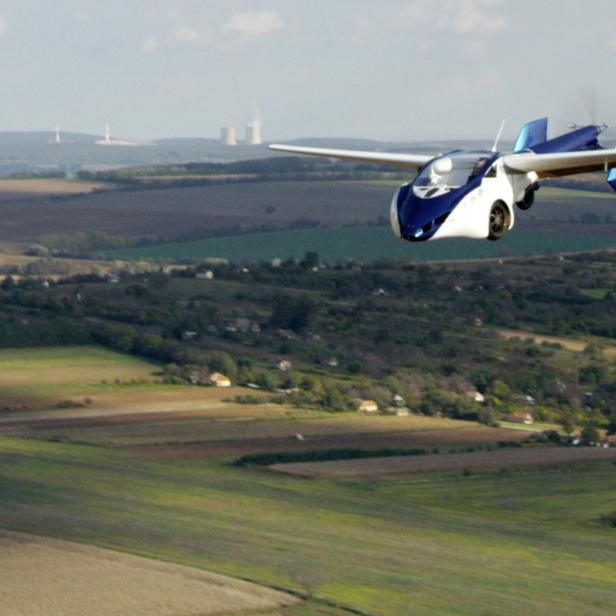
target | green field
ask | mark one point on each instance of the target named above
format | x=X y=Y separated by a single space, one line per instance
x=368 y=243
x=518 y=542
x=40 y=378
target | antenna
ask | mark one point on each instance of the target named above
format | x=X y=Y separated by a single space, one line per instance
x=498 y=136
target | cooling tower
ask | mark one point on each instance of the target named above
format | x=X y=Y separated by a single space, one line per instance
x=227 y=136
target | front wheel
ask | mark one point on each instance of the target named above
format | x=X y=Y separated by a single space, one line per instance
x=500 y=219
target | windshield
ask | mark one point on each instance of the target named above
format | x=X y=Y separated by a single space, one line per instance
x=451 y=171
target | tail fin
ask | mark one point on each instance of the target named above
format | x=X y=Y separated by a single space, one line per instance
x=532 y=133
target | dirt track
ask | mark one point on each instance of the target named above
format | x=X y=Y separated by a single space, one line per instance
x=45 y=577
x=446 y=462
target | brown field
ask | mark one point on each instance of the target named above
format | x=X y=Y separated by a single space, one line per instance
x=502 y=458
x=53 y=186
x=45 y=577
x=571 y=344
x=195 y=422
x=170 y=212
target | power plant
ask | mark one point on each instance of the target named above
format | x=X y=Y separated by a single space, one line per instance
x=108 y=140
x=252 y=136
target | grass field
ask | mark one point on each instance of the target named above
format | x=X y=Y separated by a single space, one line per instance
x=41 y=378
x=502 y=543
x=368 y=243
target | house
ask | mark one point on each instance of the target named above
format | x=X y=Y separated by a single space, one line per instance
x=243 y=325
x=610 y=440
x=403 y=412
x=398 y=400
x=219 y=380
x=380 y=292
x=518 y=417
x=332 y=362
x=368 y=406
x=207 y=275
x=284 y=365
x=475 y=395
x=188 y=335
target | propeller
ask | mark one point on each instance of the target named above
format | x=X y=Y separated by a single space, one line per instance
x=589 y=104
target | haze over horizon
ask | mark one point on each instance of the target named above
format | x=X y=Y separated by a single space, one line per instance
x=399 y=71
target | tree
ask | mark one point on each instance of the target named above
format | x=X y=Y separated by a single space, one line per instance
x=590 y=435
x=293 y=313
x=265 y=381
x=311 y=260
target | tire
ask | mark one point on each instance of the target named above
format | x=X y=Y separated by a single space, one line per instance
x=499 y=220
x=529 y=199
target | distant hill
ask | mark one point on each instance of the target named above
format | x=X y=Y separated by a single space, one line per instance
x=44 y=137
x=34 y=152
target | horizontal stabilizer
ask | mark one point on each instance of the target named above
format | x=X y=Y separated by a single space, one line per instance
x=414 y=161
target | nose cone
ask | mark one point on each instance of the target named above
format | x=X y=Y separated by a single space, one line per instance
x=420 y=218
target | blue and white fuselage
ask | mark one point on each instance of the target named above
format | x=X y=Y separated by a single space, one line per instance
x=450 y=197
x=473 y=193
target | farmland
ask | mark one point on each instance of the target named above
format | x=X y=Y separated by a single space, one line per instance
x=507 y=458
x=104 y=442
x=146 y=469
x=36 y=208
x=377 y=545
x=83 y=579
x=368 y=243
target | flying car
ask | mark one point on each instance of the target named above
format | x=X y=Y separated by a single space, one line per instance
x=474 y=194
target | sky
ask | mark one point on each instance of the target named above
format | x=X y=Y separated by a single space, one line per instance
x=399 y=70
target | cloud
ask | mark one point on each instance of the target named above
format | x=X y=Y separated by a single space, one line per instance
x=151 y=44
x=172 y=30
x=462 y=17
x=2 y=25
x=255 y=23
x=477 y=16
x=185 y=34
x=82 y=17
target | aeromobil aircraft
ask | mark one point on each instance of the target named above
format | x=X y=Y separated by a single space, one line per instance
x=473 y=194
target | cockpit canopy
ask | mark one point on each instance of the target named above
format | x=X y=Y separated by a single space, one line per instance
x=452 y=170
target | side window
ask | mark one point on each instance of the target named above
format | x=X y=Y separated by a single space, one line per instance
x=491 y=172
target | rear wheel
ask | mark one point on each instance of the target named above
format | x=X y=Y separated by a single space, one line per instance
x=528 y=200
x=500 y=219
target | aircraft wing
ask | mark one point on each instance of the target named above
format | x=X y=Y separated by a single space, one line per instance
x=561 y=163
x=414 y=161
